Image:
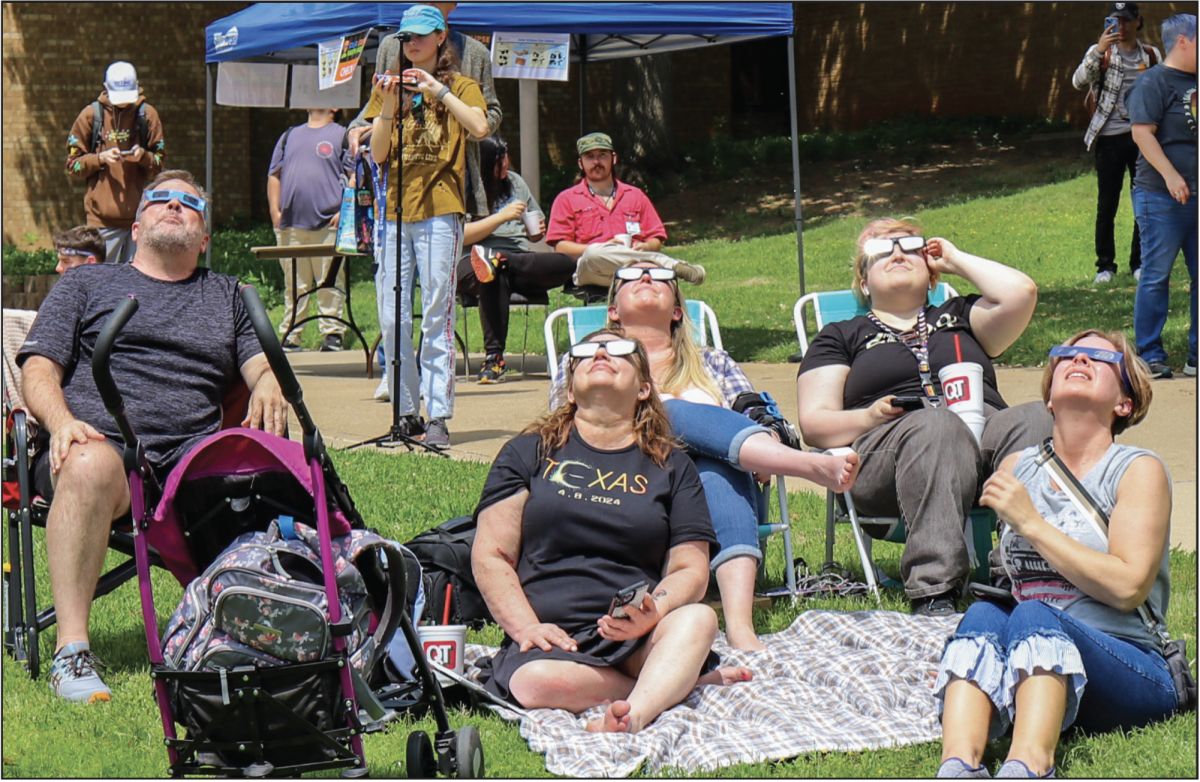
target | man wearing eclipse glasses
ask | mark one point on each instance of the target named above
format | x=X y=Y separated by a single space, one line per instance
x=179 y=357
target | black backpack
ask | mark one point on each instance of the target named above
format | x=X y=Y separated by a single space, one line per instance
x=445 y=556
x=98 y=125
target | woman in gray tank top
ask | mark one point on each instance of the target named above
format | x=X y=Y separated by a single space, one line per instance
x=1073 y=650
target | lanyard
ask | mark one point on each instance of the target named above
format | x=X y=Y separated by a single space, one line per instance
x=917 y=341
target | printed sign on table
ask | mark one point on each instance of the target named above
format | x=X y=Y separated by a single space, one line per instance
x=531 y=55
x=338 y=58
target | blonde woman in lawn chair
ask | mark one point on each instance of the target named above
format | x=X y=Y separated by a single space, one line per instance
x=871 y=382
x=1080 y=638
x=701 y=389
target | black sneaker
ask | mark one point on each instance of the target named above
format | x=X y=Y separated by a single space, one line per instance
x=331 y=344
x=492 y=371
x=412 y=426
x=292 y=346
x=1160 y=371
x=944 y=604
x=437 y=434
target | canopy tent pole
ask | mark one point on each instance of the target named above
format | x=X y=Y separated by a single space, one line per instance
x=209 y=100
x=796 y=156
x=531 y=168
x=582 y=85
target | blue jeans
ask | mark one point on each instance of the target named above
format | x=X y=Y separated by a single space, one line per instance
x=1167 y=227
x=714 y=436
x=429 y=250
x=1111 y=683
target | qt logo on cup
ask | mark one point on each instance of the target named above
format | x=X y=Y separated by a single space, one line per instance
x=444 y=653
x=957 y=389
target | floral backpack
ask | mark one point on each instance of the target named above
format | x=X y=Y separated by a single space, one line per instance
x=262 y=602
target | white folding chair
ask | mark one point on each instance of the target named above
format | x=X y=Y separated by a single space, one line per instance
x=581 y=321
x=832 y=307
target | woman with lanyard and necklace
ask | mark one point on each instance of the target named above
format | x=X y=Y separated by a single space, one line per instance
x=924 y=465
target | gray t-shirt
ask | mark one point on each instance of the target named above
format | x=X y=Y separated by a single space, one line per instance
x=1166 y=97
x=511 y=236
x=1118 y=120
x=173 y=362
x=310 y=169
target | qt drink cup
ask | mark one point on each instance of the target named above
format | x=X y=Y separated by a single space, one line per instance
x=624 y=239
x=444 y=645
x=962 y=388
x=533 y=220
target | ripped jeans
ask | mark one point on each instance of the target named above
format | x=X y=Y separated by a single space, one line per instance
x=1111 y=683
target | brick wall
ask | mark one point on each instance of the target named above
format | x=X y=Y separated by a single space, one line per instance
x=55 y=55
x=862 y=62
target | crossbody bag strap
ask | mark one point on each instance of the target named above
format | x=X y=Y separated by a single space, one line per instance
x=1079 y=496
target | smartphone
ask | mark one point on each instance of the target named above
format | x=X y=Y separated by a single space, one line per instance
x=1110 y=22
x=127 y=152
x=1001 y=597
x=630 y=595
x=909 y=402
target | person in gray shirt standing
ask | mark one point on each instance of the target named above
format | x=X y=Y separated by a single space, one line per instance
x=476 y=64
x=1108 y=71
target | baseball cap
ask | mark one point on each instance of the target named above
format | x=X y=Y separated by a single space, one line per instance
x=1126 y=10
x=594 y=141
x=422 y=20
x=121 y=82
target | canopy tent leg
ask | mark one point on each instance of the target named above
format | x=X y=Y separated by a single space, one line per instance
x=531 y=168
x=582 y=85
x=210 y=86
x=796 y=156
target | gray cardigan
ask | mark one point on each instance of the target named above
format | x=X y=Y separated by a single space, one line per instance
x=477 y=65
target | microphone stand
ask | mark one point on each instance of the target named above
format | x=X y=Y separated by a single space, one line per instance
x=396 y=437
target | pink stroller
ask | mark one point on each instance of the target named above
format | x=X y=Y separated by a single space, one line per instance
x=257 y=720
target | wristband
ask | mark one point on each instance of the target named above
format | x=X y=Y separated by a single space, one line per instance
x=443 y=93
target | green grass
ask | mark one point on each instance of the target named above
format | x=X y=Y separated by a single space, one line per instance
x=44 y=737
x=752 y=285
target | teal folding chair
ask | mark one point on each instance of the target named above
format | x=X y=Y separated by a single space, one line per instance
x=832 y=307
x=581 y=321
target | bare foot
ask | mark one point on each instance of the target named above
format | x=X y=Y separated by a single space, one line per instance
x=746 y=643
x=836 y=472
x=615 y=719
x=727 y=676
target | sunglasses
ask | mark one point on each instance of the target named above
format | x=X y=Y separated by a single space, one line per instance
x=187 y=199
x=631 y=273
x=874 y=249
x=613 y=347
x=72 y=251
x=1095 y=354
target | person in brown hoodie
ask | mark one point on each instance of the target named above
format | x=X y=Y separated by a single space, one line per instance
x=127 y=155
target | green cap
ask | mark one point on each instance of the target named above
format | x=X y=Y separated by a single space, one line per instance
x=594 y=141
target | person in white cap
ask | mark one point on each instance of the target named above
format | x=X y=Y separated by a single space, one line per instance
x=116 y=144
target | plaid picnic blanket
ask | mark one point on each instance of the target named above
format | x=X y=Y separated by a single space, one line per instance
x=831 y=682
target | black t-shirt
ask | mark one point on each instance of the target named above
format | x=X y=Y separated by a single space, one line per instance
x=1166 y=97
x=595 y=522
x=880 y=364
x=172 y=363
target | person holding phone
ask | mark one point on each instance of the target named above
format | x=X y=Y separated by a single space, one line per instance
x=499 y=262
x=584 y=503
x=438 y=109
x=1073 y=650
x=1107 y=72
x=924 y=466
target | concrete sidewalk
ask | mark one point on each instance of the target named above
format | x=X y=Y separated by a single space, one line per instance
x=339 y=396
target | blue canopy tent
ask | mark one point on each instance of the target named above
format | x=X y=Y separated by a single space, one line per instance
x=289 y=32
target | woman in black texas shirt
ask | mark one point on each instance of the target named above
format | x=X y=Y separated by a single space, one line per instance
x=587 y=501
x=924 y=466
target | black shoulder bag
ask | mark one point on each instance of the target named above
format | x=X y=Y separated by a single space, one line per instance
x=1175 y=652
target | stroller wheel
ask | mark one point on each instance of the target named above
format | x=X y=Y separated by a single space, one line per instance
x=419 y=760
x=468 y=753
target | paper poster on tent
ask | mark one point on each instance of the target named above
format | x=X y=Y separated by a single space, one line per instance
x=531 y=56
x=338 y=58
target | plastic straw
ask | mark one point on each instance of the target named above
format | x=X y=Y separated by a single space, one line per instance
x=446 y=611
x=957 y=350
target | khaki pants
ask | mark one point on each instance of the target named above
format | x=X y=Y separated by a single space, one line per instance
x=600 y=262
x=310 y=272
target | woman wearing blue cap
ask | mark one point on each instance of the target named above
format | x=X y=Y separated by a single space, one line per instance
x=438 y=109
